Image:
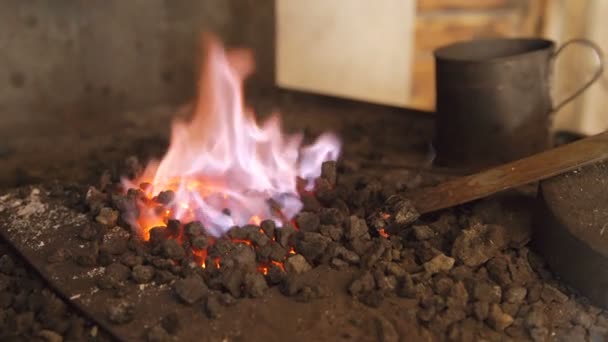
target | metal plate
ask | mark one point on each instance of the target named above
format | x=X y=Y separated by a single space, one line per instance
x=571 y=229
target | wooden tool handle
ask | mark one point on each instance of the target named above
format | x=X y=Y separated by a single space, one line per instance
x=521 y=172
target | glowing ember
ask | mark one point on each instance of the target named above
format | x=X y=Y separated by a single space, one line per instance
x=383 y=233
x=224 y=168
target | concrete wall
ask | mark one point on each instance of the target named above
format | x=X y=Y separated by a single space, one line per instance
x=100 y=55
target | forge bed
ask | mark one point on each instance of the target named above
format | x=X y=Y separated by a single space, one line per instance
x=508 y=292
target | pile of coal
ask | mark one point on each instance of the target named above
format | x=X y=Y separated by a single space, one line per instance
x=470 y=279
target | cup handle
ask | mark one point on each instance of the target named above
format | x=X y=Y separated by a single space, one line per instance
x=598 y=73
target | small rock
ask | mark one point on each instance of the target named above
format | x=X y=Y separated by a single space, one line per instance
x=497 y=319
x=158 y=235
x=131 y=260
x=142 y=274
x=311 y=245
x=194 y=228
x=163 y=277
x=552 y=294
x=157 y=334
x=373 y=299
x=357 y=229
x=191 y=289
x=423 y=232
x=107 y=217
x=173 y=250
x=121 y=312
x=307 y=221
x=539 y=334
x=402 y=210
x=364 y=283
x=214 y=307
x=285 y=235
x=165 y=197
x=395 y=270
x=487 y=291
x=115 y=241
x=268 y=227
x=515 y=295
x=331 y=216
x=50 y=336
x=481 y=310
x=338 y=263
x=328 y=172
x=255 y=284
x=440 y=263
x=297 y=264
x=478 y=244
x=200 y=242
x=114 y=274
x=535 y=318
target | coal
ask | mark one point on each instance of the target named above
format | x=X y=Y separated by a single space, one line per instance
x=191 y=289
x=402 y=210
x=120 y=312
x=108 y=217
x=487 y=291
x=114 y=275
x=173 y=250
x=255 y=284
x=311 y=245
x=285 y=235
x=277 y=252
x=297 y=264
x=158 y=235
x=329 y=172
x=308 y=222
x=58 y=255
x=515 y=294
x=163 y=277
x=439 y=263
x=331 y=216
x=268 y=227
x=362 y=284
x=477 y=244
x=142 y=274
x=498 y=319
x=200 y=242
x=115 y=241
x=552 y=294
x=165 y=197
x=50 y=336
x=423 y=232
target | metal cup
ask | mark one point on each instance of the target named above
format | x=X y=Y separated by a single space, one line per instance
x=493 y=99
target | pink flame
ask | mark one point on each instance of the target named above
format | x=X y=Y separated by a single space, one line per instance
x=222 y=159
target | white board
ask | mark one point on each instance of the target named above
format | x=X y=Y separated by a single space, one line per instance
x=357 y=49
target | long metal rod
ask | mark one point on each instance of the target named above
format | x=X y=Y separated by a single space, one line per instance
x=521 y=172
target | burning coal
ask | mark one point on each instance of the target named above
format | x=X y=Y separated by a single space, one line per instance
x=222 y=168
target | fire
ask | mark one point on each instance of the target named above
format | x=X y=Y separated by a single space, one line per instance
x=222 y=166
x=383 y=233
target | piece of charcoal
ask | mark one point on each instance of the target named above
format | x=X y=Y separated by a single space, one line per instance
x=487 y=291
x=329 y=172
x=311 y=245
x=165 y=197
x=375 y=252
x=194 y=228
x=373 y=299
x=107 y=217
x=173 y=250
x=191 y=289
x=214 y=307
x=232 y=281
x=95 y=199
x=142 y=274
x=297 y=264
x=285 y=235
x=356 y=229
x=439 y=263
x=114 y=274
x=333 y=232
x=423 y=232
x=307 y=221
x=130 y=259
x=158 y=235
x=120 y=312
x=331 y=216
x=200 y=242
x=338 y=263
x=402 y=210
x=263 y=253
x=363 y=283
x=173 y=227
x=498 y=319
x=277 y=252
x=255 y=284
x=324 y=191
x=310 y=203
x=163 y=277
x=115 y=241
x=268 y=227
x=157 y=334
x=479 y=243
x=275 y=274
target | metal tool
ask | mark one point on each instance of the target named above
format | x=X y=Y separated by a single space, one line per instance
x=521 y=172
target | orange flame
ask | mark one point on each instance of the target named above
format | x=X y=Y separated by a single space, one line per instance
x=222 y=161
